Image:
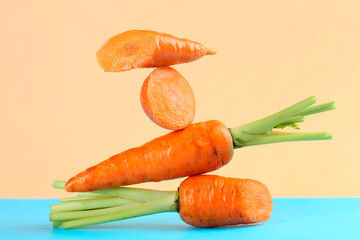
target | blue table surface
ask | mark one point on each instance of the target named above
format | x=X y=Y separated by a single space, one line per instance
x=292 y=218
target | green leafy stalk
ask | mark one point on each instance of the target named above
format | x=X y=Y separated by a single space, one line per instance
x=136 y=194
x=59 y=184
x=89 y=204
x=299 y=117
x=72 y=215
x=261 y=131
x=109 y=205
x=97 y=196
x=289 y=137
x=163 y=204
x=317 y=109
x=56 y=224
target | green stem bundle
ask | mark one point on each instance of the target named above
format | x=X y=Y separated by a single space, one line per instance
x=108 y=205
x=261 y=131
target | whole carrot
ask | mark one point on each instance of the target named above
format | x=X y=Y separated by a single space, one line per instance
x=147 y=49
x=168 y=99
x=199 y=148
x=202 y=201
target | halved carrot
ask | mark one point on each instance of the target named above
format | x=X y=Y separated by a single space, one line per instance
x=146 y=49
x=199 y=148
x=202 y=201
x=168 y=99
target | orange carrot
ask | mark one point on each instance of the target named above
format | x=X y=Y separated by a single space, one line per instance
x=210 y=201
x=202 y=201
x=167 y=99
x=146 y=49
x=199 y=148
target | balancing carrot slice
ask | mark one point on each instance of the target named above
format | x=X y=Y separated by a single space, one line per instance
x=168 y=99
x=146 y=49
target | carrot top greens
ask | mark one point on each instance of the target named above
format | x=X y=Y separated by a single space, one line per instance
x=261 y=131
x=108 y=205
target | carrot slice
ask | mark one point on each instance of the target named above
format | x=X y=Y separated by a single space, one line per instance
x=168 y=99
x=146 y=49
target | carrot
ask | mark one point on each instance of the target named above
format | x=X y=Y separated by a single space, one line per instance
x=202 y=201
x=210 y=201
x=199 y=148
x=147 y=49
x=167 y=99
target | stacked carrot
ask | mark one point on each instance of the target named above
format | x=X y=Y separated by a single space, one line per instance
x=189 y=150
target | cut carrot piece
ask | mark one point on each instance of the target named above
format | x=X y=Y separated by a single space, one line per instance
x=167 y=99
x=256 y=202
x=146 y=49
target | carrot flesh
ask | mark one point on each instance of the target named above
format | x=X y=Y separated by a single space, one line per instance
x=211 y=201
x=199 y=148
x=168 y=99
x=147 y=49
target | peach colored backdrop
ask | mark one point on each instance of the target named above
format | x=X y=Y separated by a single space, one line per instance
x=60 y=113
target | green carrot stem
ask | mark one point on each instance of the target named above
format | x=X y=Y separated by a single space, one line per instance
x=88 y=204
x=66 y=216
x=59 y=184
x=56 y=224
x=136 y=194
x=266 y=124
x=299 y=117
x=260 y=131
x=91 y=194
x=296 y=119
x=166 y=203
x=317 y=109
x=71 y=199
x=289 y=137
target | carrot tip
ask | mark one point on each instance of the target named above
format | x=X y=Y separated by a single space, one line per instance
x=210 y=52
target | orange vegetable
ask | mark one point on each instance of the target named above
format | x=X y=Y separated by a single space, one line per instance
x=167 y=99
x=199 y=148
x=202 y=201
x=146 y=49
x=211 y=201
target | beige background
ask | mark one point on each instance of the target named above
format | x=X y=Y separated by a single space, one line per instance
x=60 y=113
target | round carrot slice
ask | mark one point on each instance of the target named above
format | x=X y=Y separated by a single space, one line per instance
x=168 y=99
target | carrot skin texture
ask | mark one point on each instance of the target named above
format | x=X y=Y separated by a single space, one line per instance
x=199 y=148
x=212 y=201
x=147 y=49
x=168 y=99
